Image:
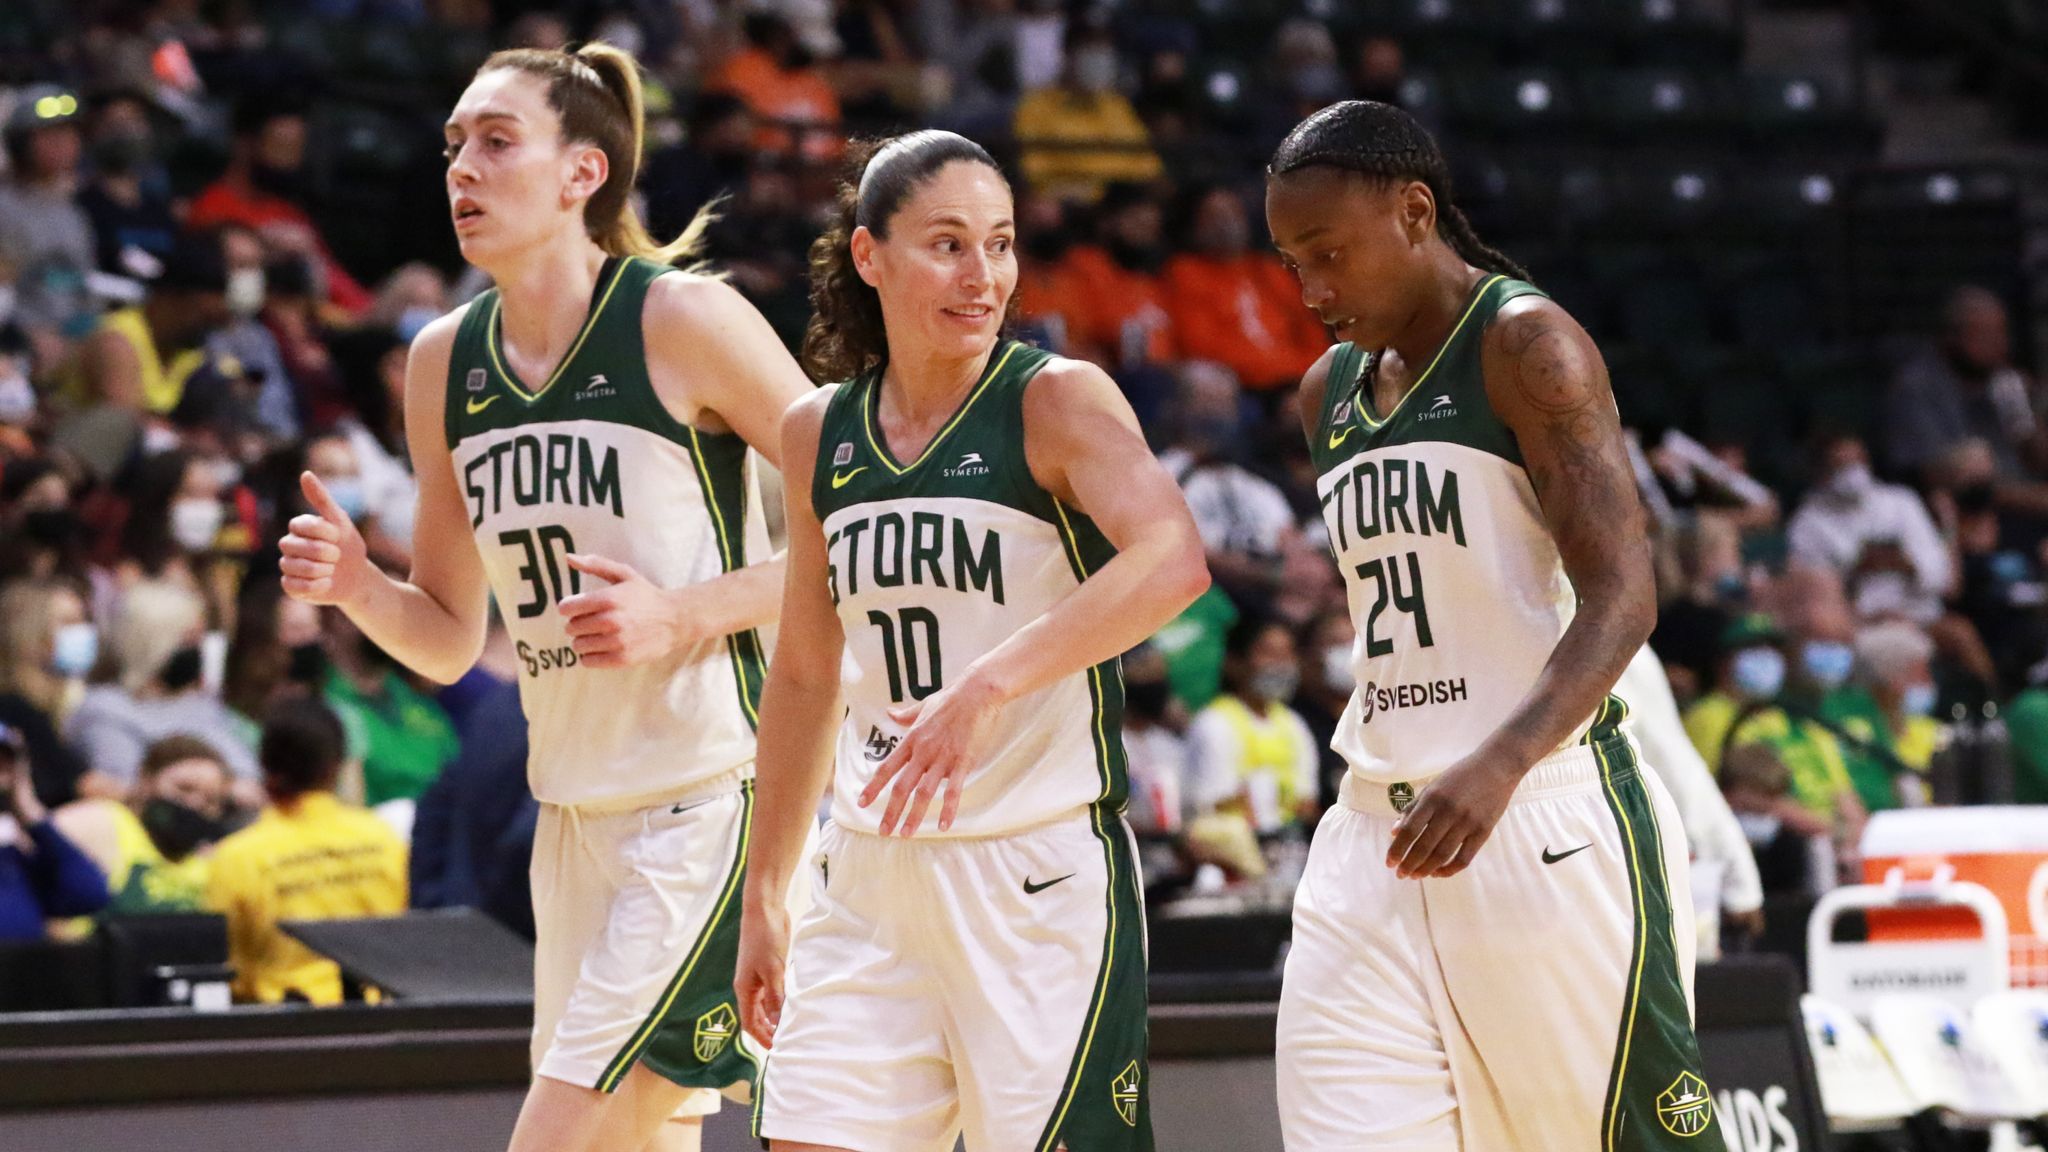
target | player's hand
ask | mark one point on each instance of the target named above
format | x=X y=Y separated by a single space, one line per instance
x=1452 y=818
x=324 y=560
x=757 y=977
x=629 y=621
x=948 y=733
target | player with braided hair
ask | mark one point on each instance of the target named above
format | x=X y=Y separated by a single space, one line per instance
x=1536 y=995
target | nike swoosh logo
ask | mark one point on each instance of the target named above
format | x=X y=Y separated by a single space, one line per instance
x=1548 y=858
x=682 y=808
x=1335 y=439
x=1031 y=889
x=839 y=479
x=475 y=406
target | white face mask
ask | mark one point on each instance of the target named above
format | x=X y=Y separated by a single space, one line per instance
x=1337 y=671
x=17 y=395
x=195 y=522
x=245 y=291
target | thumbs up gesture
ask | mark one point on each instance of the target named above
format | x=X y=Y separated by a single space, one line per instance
x=628 y=621
x=324 y=558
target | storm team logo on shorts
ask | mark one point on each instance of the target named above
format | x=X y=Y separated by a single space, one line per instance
x=714 y=1031
x=1401 y=795
x=1685 y=1108
x=1123 y=1092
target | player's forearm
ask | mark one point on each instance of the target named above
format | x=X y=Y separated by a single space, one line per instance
x=1582 y=670
x=734 y=602
x=793 y=765
x=1149 y=583
x=416 y=629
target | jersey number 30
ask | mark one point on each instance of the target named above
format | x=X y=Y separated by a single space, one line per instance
x=909 y=668
x=543 y=547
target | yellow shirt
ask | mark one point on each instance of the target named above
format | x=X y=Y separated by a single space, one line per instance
x=1074 y=145
x=317 y=859
x=163 y=385
x=143 y=881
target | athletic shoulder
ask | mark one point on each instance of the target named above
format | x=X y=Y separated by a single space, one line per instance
x=1063 y=388
x=679 y=296
x=1535 y=356
x=1315 y=385
x=803 y=425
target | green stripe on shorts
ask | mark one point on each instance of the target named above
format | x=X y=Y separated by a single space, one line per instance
x=692 y=1035
x=1104 y=1106
x=1657 y=1099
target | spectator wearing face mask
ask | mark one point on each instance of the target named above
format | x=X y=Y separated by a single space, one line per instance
x=266 y=390
x=1159 y=769
x=1246 y=523
x=1878 y=537
x=1747 y=707
x=1711 y=592
x=1236 y=306
x=46 y=235
x=155 y=847
x=155 y=640
x=1327 y=684
x=47 y=648
x=137 y=360
x=1119 y=312
x=1780 y=831
x=1081 y=135
x=1252 y=753
x=1889 y=714
x=278 y=651
x=265 y=188
x=128 y=196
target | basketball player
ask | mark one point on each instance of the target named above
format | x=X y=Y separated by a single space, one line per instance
x=977 y=530
x=580 y=433
x=1493 y=942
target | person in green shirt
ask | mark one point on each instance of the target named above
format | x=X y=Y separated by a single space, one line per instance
x=1192 y=644
x=1886 y=713
x=2026 y=721
x=402 y=738
x=1745 y=707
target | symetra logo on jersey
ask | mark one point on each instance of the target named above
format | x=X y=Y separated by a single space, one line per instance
x=1373 y=699
x=969 y=465
x=596 y=387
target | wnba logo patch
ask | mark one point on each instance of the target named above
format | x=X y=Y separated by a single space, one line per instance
x=1685 y=1108
x=714 y=1031
x=1123 y=1092
x=1401 y=795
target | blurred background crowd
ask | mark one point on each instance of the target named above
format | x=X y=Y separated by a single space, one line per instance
x=221 y=222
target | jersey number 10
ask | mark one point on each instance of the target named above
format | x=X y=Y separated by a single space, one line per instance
x=920 y=673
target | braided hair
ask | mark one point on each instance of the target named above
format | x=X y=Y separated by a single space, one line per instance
x=1385 y=144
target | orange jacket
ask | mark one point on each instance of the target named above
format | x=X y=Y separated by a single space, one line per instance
x=1111 y=303
x=1245 y=313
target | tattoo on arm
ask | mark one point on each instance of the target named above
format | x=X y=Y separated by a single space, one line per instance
x=1553 y=389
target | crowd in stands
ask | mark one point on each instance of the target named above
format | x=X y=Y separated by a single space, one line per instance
x=194 y=308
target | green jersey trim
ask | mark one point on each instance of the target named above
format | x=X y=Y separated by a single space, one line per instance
x=1364 y=401
x=1105 y=750
x=879 y=443
x=749 y=666
x=493 y=334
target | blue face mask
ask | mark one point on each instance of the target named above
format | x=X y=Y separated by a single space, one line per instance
x=1731 y=588
x=1827 y=663
x=75 y=649
x=349 y=495
x=1759 y=673
x=1918 y=700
